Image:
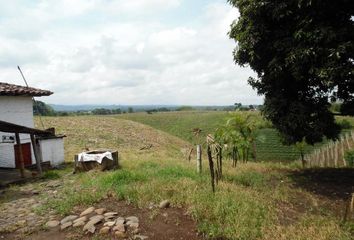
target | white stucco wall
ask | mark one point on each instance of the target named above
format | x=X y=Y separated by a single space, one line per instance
x=7 y=155
x=52 y=150
x=18 y=110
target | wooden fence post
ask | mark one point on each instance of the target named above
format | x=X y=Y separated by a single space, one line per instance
x=336 y=157
x=22 y=164
x=318 y=158
x=342 y=151
x=199 y=158
x=323 y=158
x=328 y=157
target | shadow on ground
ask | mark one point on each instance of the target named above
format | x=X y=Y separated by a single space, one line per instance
x=333 y=183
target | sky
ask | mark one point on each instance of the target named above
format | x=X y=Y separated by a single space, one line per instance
x=136 y=52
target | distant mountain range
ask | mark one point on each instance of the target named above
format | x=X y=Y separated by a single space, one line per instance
x=137 y=108
x=74 y=108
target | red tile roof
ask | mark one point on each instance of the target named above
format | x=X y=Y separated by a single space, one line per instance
x=7 y=89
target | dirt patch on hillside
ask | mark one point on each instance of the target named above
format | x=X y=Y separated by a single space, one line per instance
x=155 y=223
x=332 y=183
x=331 y=186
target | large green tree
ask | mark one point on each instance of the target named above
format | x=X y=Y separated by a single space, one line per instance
x=302 y=52
x=43 y=109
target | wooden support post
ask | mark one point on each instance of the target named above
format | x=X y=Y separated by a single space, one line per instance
x=115 y=159
x=199 y=158
x=36 y=154
x=22 y=164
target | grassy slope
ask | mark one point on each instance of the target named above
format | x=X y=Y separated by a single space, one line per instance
x=251 y=203
x=180 y=124
x=95 y=132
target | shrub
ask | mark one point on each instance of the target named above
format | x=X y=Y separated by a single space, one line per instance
x=345 y=124
x=349 y=158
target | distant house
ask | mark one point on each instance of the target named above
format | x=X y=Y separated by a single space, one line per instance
x=16 y=118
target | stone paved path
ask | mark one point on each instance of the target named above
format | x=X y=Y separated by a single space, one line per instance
x=20 y=207
x=23 y=217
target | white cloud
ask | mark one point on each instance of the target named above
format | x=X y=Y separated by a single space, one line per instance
x=138 y=6
x=88 y=52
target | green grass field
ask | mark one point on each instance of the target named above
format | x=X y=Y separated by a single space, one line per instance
x=255 y=201
x=180 y=124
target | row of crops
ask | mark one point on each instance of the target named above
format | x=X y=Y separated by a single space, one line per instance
x=270 y=148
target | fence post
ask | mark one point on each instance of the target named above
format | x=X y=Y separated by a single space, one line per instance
x=323 y=158
x=318 y=158
x=342 y=151
x=328 y=157
x=336 y=158
x=199 y=158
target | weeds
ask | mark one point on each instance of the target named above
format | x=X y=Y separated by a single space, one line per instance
x=245 y=206
x=248 y=179
x=50 y=175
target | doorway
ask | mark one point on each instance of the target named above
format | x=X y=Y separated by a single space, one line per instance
x=26 y=152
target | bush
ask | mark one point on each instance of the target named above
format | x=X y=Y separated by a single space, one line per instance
x=345 y=124
x=349 y=158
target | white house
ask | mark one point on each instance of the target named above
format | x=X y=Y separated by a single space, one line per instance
x=16 y=112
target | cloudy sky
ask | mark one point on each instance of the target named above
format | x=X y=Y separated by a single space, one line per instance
x=124 y=52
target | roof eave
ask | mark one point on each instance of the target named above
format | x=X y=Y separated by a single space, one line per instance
x=26 y=95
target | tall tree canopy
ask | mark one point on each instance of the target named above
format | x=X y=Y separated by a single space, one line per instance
x=41 y=108
x=303 y=54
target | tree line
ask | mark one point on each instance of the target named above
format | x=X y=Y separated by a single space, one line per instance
x=43 y=109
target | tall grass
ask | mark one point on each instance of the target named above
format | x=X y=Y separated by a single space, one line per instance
x=243 y=207
x=249 y=203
